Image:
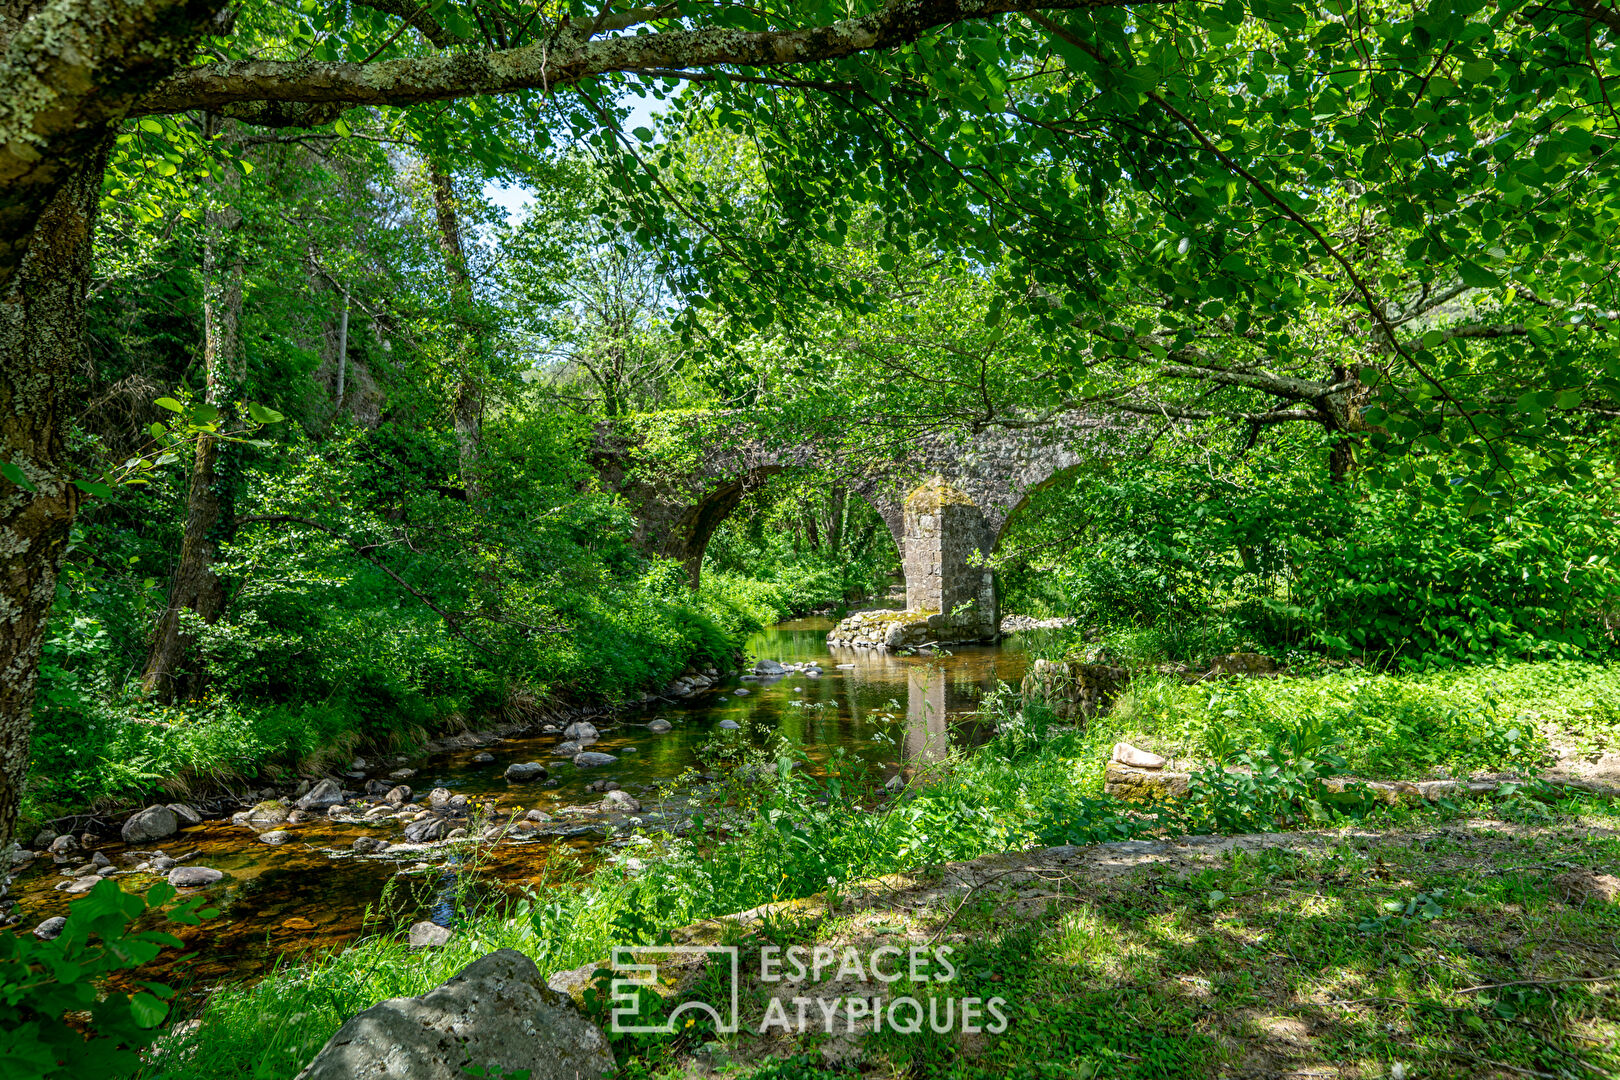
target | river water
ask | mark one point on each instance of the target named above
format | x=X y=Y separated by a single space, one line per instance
x=298 y=899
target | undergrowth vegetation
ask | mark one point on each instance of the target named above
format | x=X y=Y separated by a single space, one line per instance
x=1183 y=557
x=1385 y=726
x=772 y=832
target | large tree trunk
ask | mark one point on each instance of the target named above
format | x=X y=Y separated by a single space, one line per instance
x=196 y=587
x=468 y=344
x=41 y=321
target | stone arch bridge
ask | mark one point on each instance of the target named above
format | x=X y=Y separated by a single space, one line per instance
x=946 y=500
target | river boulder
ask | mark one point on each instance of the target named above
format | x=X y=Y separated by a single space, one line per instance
x=324 y=794
x=498 y=1015
x=426 y=829
x=266 y=815
x=769 y=669
x=526 y=771
x=51 y=928
x=621 y=801
x=590 y=760
x=275 y=838
x=153 y=823
x=581 y=731
x=659 y=727
x=398 y=795
x=191 y=877
x=439 y=797
x=187 y=815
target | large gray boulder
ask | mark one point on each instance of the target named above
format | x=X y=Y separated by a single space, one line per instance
x=525 y=771
x=426 y=830
x=582 y=731
x=497 y=1015
x=324 y=794
x=770 y=669
x=186 y=814
x=153 y=823
x=590 y=759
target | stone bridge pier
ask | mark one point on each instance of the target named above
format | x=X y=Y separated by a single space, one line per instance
x=945 y=542
x=946 y=504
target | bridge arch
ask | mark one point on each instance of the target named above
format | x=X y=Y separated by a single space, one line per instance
x=950 y=496
x=716 y=506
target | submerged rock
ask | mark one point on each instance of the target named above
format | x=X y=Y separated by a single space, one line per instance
x=484 y=758
x=153 y=823
x=729 y=725
x=275 y=838
x=590 y=760
x=191 y=877
x=498 y=1015
x=526 y=771
x=659 y=727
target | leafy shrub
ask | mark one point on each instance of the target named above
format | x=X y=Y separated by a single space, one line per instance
x=42 y=983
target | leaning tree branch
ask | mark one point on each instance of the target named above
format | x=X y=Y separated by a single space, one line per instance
x=570 y=59
x=71 y=71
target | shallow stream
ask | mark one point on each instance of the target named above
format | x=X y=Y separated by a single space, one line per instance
x=303 y=895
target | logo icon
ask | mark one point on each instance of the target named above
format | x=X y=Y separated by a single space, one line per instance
x=636 y=966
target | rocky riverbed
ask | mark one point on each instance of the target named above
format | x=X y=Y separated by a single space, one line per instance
x=296 y=865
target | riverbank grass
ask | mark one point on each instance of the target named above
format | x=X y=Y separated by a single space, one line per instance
x=1406 y=726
